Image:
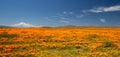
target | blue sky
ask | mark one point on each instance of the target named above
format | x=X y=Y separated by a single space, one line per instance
x=60 y=12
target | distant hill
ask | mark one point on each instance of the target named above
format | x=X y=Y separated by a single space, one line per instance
x=73 y=26
x=2 y=26
x=66 y=26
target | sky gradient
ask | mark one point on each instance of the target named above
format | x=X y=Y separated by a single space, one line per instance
x=60 y=12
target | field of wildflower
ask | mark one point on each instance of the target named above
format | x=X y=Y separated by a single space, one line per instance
x=60 y=42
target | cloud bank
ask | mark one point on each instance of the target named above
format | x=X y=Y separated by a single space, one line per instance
x=105 y=9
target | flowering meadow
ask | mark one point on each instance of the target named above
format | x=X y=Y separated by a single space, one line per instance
x=60 y=42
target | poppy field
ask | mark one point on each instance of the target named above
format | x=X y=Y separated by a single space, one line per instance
x=60 y=42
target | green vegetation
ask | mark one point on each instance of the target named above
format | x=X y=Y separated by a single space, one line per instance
x=6 y=35
x=92 y=36
x=107 y=43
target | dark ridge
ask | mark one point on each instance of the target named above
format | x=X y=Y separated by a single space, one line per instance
x=66 y=26
x=46 y=27
x=73 y=26
x=2 y=26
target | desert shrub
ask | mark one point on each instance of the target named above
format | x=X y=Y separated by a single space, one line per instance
x=107 y=43
x=92 y=36
x=6 y=35
x=115 y=55
x=29 y=55
x=47 y=38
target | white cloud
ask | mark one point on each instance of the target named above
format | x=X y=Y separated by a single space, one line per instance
x=63 y=18
x=23 y=24
x=105 y=9
x=70 y=12
x=64 y=12
x=79 y=16
x=102 y=20
x=64 y=21
x=97 y=10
